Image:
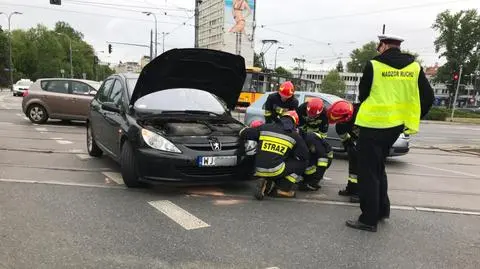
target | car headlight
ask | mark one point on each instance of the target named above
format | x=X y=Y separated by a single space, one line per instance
x=158 y=142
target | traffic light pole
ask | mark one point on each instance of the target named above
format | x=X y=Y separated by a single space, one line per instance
x=456 y=92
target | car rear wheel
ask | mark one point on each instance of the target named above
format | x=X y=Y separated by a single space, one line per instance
x=92 y=147
x=37 y=114
x=129 y=167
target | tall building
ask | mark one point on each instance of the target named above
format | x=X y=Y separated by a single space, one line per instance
x=228 y=25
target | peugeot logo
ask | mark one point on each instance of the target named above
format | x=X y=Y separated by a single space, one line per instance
x=215 y=144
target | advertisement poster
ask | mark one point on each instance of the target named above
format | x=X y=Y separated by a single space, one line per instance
x=239 y=22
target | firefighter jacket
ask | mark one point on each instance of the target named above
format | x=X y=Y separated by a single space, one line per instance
x=318 y=125
x=277 y=143
x=275 y=107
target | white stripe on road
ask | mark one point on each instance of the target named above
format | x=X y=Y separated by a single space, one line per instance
x=438 y=210
x=84 y=156
x=58 y=183
x=116 y=177
x=19 y=114
x=64 y=142
x=41 y=129
x=445 y=170
x=56 y=138
x=26 y=118
x=179 y=215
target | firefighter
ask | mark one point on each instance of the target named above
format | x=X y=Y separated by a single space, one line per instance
x=280 y=102
x=342 y=114
x=281 y=156
x=313 y=128
x=394 y=95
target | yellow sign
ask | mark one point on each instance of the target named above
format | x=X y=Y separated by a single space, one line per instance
x=274 y=147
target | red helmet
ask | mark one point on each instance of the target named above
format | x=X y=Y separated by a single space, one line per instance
x=292 y=114
x=314 y=107
x=256 y=123
x=286 y=89
x=340 y=111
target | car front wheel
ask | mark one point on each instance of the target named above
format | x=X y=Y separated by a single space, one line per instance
x=129 y=167
x=37 y=114
x=92 y=147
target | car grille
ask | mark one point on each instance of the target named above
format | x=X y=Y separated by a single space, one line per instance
x=209 y=147
x=206 y=171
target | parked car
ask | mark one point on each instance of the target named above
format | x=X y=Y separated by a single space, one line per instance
x=256 y=112
x=172 y=123
x=21 y=86
x=58 y=98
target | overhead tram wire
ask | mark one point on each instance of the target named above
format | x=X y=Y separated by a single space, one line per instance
x=130 y=6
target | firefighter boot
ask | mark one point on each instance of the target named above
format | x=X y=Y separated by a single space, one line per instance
x=309 y=184
x=264 y=187
x=283 y=189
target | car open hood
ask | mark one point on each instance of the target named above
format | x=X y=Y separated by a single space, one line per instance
x=217 y=72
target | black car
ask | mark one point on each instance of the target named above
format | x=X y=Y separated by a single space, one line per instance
x=172 y=123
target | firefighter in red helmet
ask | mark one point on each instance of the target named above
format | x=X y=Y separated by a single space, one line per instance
x=281 y=156
x=280 y=102
x=342 y=113
x=313 y=128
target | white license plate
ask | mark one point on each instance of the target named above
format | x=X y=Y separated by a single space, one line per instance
x=210 y=161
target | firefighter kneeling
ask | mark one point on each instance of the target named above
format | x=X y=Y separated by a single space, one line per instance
x=313 y=129
x=281 y=156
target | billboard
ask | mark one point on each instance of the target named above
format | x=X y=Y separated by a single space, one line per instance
x=239 y=28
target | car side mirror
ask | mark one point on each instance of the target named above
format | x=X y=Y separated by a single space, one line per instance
x=109 y=106
x=92 y=93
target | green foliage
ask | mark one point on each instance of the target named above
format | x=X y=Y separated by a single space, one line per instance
x=284 y=72
x=458 y=41
x=4 y=80
x=442 y=113
x=333 y=84
x=361 y=56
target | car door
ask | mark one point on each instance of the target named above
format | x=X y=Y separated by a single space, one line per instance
x=97 y=120
x=56 y=96
x=113 y=120
x=80 y=93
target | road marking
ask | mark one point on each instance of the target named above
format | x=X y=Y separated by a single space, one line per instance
x=446 y=170
x=327 y=178
x=26 y=118
x=41 y=129
x=76 y=151
x=438 y=210
x=272 y=268
x=64 y=142
x=6 y=180
x=84 y=156
x=117 y=177
x=18 y=114
x=56 y=138
x=6 y=123
x=179 y=215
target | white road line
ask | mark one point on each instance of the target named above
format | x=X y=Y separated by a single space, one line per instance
x=117 y=177
x=179 y=215
x=64 y=142
x=84 y=156
x=41 y=129
x=56 y=138
x=438 y=210
x=445 y=170
x=26 y=118
x=76 y=151
x=59 y=183
x=19 y=114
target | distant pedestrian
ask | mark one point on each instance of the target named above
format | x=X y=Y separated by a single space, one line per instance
x=394 y=95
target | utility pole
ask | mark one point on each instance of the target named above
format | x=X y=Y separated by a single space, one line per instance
x=197 y=21
x=156 y=40
x=456 y=92
x=151 y=45
x=301 y=64
x=276 y=53
x=383 y=30
x=9 y=17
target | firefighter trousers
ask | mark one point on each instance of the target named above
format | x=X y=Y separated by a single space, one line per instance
x=320 y=160
x=352 y=184
x=290 y=176
x=374 y=146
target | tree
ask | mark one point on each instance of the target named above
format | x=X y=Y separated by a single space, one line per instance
x=339 y=66
x=361 y=56
x=283 y=72
x=257 y=61
x=459 y=41
x=4 y=76
x=333 y=84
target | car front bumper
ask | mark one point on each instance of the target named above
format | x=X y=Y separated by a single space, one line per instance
x=156 y=166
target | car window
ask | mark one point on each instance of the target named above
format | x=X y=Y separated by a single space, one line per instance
x=80 y=88
x=115 y=95
x=326 y=104
x=57 y=86
x=131 y=82
x=104 y=90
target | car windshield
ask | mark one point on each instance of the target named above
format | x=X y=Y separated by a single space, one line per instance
x=24 y=83
x=131 y=82
x=181 y=100
x=96 y=86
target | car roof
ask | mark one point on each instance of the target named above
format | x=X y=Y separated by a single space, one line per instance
x=89 y=82
x=319 y=94
x=128 y=75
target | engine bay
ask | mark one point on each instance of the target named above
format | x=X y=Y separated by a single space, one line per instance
x=193 y=127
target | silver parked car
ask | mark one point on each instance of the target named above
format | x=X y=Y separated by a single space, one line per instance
x=59 y=98
x=256 y=112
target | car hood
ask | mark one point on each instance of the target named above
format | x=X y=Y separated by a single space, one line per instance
x=217 y=72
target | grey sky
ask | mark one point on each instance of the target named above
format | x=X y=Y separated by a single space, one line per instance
x=306 y=24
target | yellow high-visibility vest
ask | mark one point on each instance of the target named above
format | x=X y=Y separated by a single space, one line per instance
x=394 y=99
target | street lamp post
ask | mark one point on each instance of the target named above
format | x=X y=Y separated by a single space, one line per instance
x=276 y=52
x=9 y=17
x=156 y=40
x=71 y=62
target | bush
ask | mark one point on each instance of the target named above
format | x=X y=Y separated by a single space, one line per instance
x=437 y=113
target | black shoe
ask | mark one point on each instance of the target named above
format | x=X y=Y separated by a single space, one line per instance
x=355 y=224
x=264 y=187
x=354 y=199
x=344 y=192
x=308 y=187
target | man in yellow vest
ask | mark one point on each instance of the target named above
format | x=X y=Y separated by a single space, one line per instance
x=394 y=95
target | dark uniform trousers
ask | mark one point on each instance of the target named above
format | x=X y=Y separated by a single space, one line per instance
x=352 y=185
x=373 y=148
x=321 y=156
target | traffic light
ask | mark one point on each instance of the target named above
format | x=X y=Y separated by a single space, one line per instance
x=56 y=2
x=455 y=76
x=109 y=48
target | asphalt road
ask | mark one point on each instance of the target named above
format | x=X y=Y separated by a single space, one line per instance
x=60 y=208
